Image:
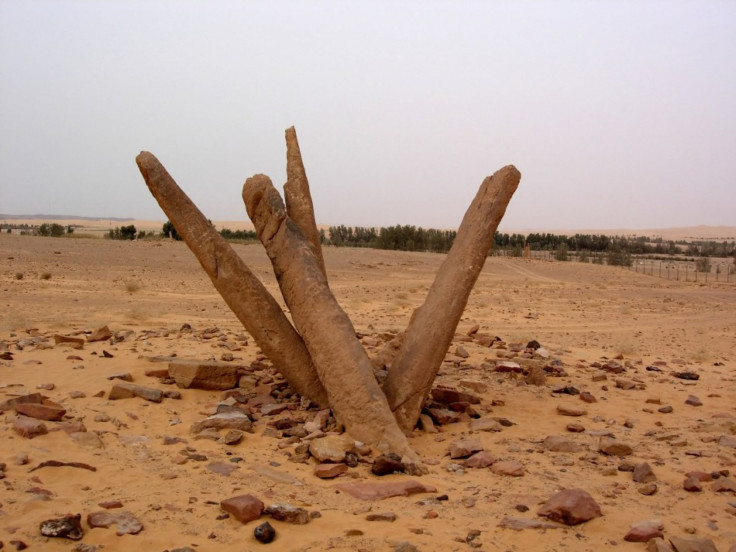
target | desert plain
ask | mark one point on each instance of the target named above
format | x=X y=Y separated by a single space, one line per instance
x=620 y=336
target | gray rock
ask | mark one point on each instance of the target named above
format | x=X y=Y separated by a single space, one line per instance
x=68 y=527
x=125 y=522
x=233 y=419
x=288 y=513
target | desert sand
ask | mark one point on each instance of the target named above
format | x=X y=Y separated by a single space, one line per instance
x=146 y=457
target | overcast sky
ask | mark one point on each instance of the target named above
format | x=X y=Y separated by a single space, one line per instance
x=618 y=114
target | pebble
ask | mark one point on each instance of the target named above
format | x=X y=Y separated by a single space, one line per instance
x=264 y=533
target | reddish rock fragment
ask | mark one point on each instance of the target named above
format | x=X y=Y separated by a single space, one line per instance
x=724 y=485
x=447 y=395
x=480 y=460
x=571 y=507
x=29 y=427
x=329 y=471
x=644 y=531
x=244 y=508
x=48 y=411
x=692 y=545
x=100 y=334
x=204 y=374
x=692 y=485
x=512 y=468
x=31 y=398
x=125 y=522
x=643 y=473
x=380 y=490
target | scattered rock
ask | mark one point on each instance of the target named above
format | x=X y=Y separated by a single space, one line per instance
x=727 y=441
x=724 y=485
x=570 y=410
x=57 y=464
x=387 y=463
x=264 y=533
x=47 y=410
x=692 y=545
x=244 y=508
x=512 y=468
x=29 y=427
x=692 y=485
x=129 y=390
x=68 y=527
x=383 y=516
x=692 y=400
x=644 y=531
x=658 y=545
x=125 y=522
x=232 y=419
x=331 y=448
x=518 y=524
x=692 y=376
x=643 y=473
x=288 y=513
x=462 y=448
x=555 y=443
x=100 y=334
x=204 y=374
x=330 y=471
x=480 y=460
x=485 y=424
x=571 y=507
x=612 y=447
x=73 y=342
x=370 y=490
x=448 y=395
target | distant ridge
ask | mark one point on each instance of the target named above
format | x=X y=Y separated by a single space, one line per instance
x=63 y=217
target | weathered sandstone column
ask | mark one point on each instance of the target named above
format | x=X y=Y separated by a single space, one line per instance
x=243 y=292
x=343 y=366
x=299 y=204
x=433 y=325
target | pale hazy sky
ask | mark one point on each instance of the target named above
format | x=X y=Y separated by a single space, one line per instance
x=617 y=113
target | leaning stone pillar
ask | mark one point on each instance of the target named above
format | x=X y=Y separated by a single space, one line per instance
x=243 y=292
x=433 y=324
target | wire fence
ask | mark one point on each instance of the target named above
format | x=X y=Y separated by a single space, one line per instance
x=712 y=270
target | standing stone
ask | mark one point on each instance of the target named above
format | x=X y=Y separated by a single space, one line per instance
x=571 y=507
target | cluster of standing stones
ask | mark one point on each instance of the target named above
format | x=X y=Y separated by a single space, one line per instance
x=255 y=393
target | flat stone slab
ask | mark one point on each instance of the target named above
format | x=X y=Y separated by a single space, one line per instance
x=204 y=374
x=379 y=490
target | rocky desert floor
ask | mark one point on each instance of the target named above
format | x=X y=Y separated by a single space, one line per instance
x=629 y=344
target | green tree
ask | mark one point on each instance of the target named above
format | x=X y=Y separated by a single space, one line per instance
x=168 y=230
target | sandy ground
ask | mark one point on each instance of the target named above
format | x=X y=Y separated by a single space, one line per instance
x=145 y=291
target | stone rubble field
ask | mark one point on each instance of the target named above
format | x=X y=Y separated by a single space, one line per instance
x=580 y=407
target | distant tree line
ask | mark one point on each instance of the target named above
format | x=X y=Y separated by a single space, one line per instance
x=399 y=238
x=614 y=250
